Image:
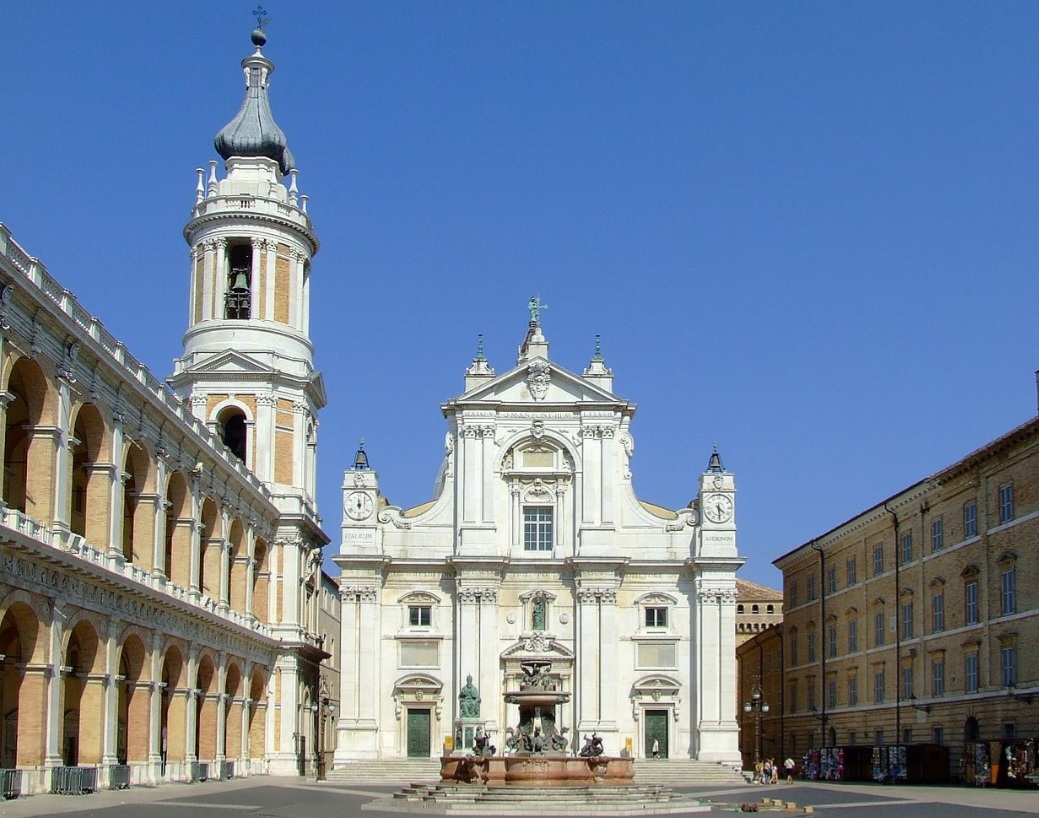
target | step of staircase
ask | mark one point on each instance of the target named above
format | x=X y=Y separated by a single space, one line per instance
x=678 y=772
x=387 y=771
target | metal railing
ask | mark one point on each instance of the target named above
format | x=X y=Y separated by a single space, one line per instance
x=73 y=780
x=10 y=784
x=226 y=770
x=119 y=777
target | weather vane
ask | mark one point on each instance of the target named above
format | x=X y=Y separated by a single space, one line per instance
x=261 y=17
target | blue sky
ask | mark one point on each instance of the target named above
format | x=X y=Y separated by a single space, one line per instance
x=806 y=231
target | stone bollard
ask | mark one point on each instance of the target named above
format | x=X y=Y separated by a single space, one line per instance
x=790 y=806
x=809 y=810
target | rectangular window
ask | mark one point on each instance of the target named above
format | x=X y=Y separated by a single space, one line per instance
x=793 y=648
x=831 y=580
x=1008 y=662
x=656 y=617
x=907 y=683
x=831 y=694
x=792 y=594
x=938 y=677
x=970 y=520
x=1008 y=591
x=971 y=672
x=537 y=528
x=878 y=738
x=811 y=647
x=907 y=620
x=1006 y=503
x=878 y=560
x=793 y=697
x=878 y=629
x=938 y=613
x=831 y=638
x=811 y=694
x=853 y=636
x=420 y=616
x=970 y=593
x=853 y=691
x=907 y=547
x=937 y=736
x=811 y=587
x=937 y=535
x=878 y=687
x=852 y=571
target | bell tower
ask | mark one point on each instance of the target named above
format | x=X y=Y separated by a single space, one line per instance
x=247 y=369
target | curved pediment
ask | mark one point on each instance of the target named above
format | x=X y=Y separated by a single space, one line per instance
x=538 y=646
x=656 y=682
x=418 y=681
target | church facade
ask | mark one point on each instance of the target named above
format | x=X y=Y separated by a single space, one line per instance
x=536 y=556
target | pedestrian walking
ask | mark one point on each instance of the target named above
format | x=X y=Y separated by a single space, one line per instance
x=656 y=749
x=775 y=770
x=789 y=765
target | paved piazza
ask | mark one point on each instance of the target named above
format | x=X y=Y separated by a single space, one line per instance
x=283 y=798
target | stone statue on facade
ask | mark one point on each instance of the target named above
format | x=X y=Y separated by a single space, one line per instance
x=469 y=700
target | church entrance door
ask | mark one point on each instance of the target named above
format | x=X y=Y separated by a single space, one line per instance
x=656 y=728
x=418 y=732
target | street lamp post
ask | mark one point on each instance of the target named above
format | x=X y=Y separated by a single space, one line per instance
x=321 y=711
x=757 y=706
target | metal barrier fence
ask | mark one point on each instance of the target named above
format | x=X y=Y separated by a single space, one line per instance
x=226 y=770
x=73 y=780
x=119 y=777
x=10 y=783
x=203 y=771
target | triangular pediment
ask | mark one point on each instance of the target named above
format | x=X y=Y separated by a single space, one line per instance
x=231 y=362
x=537 y=382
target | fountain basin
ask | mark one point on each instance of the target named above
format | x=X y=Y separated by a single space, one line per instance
x=537 y=771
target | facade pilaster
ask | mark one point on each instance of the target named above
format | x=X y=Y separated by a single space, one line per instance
x=117 y=486
x=52 y=745
x=359 y=673
x=63 y=457
x=109 y=752
x=191 y=706
x=221 y=708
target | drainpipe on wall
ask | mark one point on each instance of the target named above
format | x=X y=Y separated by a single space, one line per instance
x=822 y=634
x=898 y=631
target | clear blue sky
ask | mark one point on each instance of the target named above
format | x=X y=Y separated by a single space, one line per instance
x=806 y=231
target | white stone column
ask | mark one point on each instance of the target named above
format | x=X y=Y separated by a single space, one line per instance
x=591 y=453
x=467 y=639
x=306 y=298
x=255 y=294
x=274 y=616
x=209 y=266
x=194 y=569
x=606 y=477
x=290 y=578
x=470 y=485
x=268 y=296
x=221 y=708
x=116 y=496
x=191 y=706
x=263 y=433
x=250 y=569
x=489 y=676
x=360 y=640
x=220 y=275
x=63 y=456
x=55 y=682
x=225 y=558
x=155 y=707
x=161 y=506
x=243 y=749
x=110 y=717
x=587 y=708
x=718 y=732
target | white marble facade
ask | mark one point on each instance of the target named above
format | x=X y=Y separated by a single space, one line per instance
x=535 y=548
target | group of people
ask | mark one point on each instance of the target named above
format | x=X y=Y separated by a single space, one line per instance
x=767 y=771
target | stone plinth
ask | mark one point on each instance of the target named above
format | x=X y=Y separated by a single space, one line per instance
x=537 y=771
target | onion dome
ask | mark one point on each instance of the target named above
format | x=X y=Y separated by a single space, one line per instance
x=253 y=131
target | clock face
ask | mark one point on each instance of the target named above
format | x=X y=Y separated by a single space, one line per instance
x=358 y=505
x=717 y=508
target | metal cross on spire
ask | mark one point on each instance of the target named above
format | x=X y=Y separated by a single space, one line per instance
x=261 y=17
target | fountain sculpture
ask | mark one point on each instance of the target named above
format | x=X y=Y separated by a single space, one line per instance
x=537 y=749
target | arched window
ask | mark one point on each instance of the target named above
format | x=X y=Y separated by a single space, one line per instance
x=239 y=281
x=233 y=432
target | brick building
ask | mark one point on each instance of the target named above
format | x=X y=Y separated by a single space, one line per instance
x=909 y=622
x=161 y=592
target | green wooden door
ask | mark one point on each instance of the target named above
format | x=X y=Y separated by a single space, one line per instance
x=418 y=733
x=656 y=728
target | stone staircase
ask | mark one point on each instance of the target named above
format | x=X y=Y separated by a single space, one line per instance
x=686 y=772
x=387 y=772
x=598 y=799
